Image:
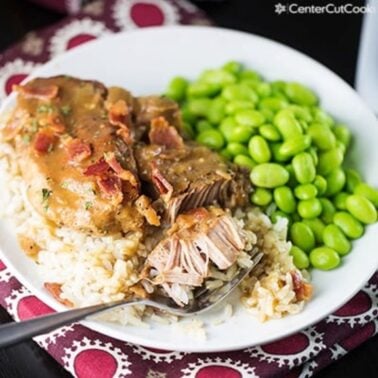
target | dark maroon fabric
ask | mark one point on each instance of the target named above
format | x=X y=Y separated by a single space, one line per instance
x=86 y=353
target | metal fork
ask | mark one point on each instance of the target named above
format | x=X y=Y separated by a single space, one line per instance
x=204 y=299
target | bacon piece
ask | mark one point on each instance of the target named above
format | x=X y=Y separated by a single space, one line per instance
x=303 y=290
x=122 y=173
x=40 y=92
x=111 y=186
x=118 y=112
x=44 y=142
x=144 y=207
x=55 y=290
x=161 y=133
x=97 y=169
x=160 y=182
x=78 y=150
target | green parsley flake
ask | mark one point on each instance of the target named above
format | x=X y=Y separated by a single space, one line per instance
x=34 y=125
x=88 y=205
x=46 y=193
x=26 y=138
x=45 y=108
x=66 y=110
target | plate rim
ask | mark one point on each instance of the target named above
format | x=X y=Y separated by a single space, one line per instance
x=99 y=327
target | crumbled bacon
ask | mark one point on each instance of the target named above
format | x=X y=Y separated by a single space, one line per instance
x=160 y=182
x=161 y=133
x=118 y=113
x=78 y=150
x=303 y=290
x=111 y=186
x=55 y=290
x=122 y=173
x=45 y=92
x=97 y=169
x=44 y=142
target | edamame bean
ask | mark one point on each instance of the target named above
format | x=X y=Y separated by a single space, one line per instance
x=211 y=138
x=317 y=227
x=216 y=111
x=263 y=89
x=335 y=181
x=305 y=191
x=353 y=178
x=329 y=160
x=177 y=88
x=227 y=127
x=203 y=125
x=343 y=135
x=187 y=130
x=239 y=92
x=226 y=154
x=300 y=94
x=328 y=210
x=300 y=259
x=361 y=208
x=233 y=67
x=273 y=103
x=295 y=145
x=261 y=197
x=324 y=258
x=244 y=161
x=250 y=118
x=277 y=156
x=235 y=106
x=321 y=184
x=284 y=199
x=270 y=133
x=201 y=89
x=302 y=236
x=269 y=175
x=276 y=215
x=250 y=75
x=322 y=136
x=237 y=149
x=351 y=227
x=304 y=168
x=186 y=115
x=287 y=124
x=220 y=77
x=334 y=238
x=301 y=113
x=259 y=149
x=340 y=200
x=322 y=117
x=292 y=183
x=199 y=106
x=310 y=208
x=240 y=134
x=314 y=154
x=368 y=192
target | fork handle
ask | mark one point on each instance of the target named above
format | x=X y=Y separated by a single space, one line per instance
x=13 y=333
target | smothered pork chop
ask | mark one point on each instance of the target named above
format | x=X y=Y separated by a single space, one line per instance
x=101 y=162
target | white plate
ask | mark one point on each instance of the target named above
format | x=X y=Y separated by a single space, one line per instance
x=144 y=61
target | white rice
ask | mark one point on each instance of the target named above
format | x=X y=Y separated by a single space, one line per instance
x=101 y=269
